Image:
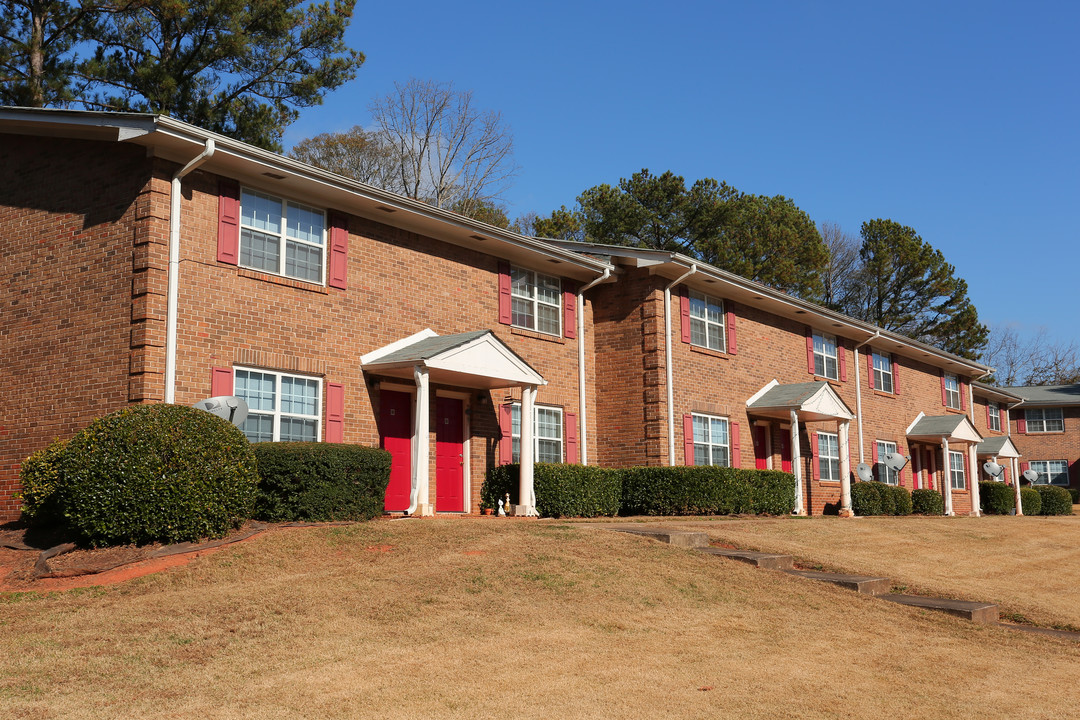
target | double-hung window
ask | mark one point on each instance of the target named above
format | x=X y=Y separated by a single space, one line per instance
x=1051 y=472
x=825 y=363
x=712 y=443
x=280 y=406
x=534 y=301
x=885 y=473
x=547 y=434
x=1044 y=420
x=282 y=237
x=952 y=391
x=994 y=411
x=883 y=372
x=707 y=322
x=957 y=470
x=829 y=456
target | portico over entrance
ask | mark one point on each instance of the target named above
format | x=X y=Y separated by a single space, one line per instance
x=474 y=360
x=943 y=430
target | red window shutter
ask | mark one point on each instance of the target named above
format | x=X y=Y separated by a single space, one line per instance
x=816 y=462
x=335 y=412
x=569 y=309
x=1021 y=424
x=684 y=313
x=732 y=343
x=1005 y=474
x=963 y=396
x=736 y=453
x=870 y=367
x=1001 y=420
x=221 y=381
x=688 y=439
x=810 y=350
x=1025 y=466
x=944 y=397
x=228 y=222
x=504 y=293
x=841 y=360
x=337 y=276
x=873 y=446
x=571 y=438
x=506 y=446
x=895 y=376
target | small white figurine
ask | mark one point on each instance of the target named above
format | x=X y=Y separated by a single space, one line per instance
x=502 y=513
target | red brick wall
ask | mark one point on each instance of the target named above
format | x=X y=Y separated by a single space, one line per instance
x=1051 y=446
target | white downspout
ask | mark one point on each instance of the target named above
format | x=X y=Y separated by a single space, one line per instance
x=174 y=269
x=858 y=391
x=583 y=435
x=667 y=365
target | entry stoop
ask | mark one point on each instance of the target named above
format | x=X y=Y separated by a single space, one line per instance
x=985 y=613
x=864 y=584
x=757 y=559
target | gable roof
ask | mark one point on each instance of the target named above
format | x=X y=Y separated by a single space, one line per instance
x=1003 y=395
x=934 y=427
x=812 y=400
x=1047 y=395
x=999 y=446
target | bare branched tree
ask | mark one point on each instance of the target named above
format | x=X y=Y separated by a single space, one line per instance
x=840 y=278
x=445 y=151
x=1037 y=360
x=355 y=153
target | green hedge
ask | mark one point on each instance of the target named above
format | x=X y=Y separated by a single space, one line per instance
x=156 y=473
x=320 y=481
x=1075 y=494
x=875 y=498
x=562 y=490
x=1030 y=501
x=40 y=476
x=1054 y=500
x=927 y=502
x=996 y=498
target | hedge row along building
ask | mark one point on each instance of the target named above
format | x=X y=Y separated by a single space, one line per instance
x=148 y=260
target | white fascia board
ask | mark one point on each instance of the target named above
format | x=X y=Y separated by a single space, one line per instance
x=757 y=396
x=486 y=356
x=914 y=422
x=385 y=350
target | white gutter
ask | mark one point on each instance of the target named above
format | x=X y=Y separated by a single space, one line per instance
x=174 y=269
x=858 y=391
x=583 y=424
x=667 y=364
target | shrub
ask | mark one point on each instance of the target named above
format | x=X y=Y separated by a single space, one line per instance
x=1054 y=500
x=706 y=490
x=152 y=473
x=576 y=490
x=866 y=498
x=1075 y=494
x=996 y=498
x=320 y=481
x=1030 y=501
x=40 y=478
x=927 y=502
x=903 y=500
x=499 y=481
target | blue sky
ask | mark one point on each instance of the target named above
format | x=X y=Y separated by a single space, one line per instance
x=960 y=119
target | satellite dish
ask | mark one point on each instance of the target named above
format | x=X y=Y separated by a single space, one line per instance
x=992 y=469
x=1031 y=476
x=226 y=407
x=865 y=472
x=895 y=461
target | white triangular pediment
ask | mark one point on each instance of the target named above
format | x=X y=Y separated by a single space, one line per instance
x=826 y=402
x=487 y=357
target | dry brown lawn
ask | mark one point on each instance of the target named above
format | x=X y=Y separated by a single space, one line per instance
x=1029 y=566
x=502 y=618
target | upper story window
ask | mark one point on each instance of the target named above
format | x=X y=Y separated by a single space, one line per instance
x=535 y=301
x=829 y=456
x=282 y=237
x=712 y=442
x=952 y=391
x=1044 y=420
x=825 y=362
x=707 y=327
x=1051 y=472
x=885 y=473
x=994 y=413
x=547 y=434
x=957 y=471
x=280 y=406
x=883 y=372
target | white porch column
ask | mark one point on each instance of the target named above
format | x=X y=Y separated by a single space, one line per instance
x=796 y=463
x=843 y=435
x=1014 y=465
x=973 y=460
x=526 y=497
x=946 y=476
x=421 y=445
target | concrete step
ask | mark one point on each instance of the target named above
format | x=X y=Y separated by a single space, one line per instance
x=864 y=584
x=986 y=613
x=757 y=559
x=679 y=538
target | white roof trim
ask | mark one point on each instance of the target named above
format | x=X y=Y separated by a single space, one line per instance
x=385 y=350
x=757 y=396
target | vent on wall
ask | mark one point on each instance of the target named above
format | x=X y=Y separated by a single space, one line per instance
x=274 y=176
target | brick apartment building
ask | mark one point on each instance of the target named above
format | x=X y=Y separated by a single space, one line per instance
x=151 y=261
x=1046 y=430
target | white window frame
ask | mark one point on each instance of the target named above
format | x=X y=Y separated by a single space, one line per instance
x=995 y=416
x=538 y=438
x=952 y=389
x=276 y=413
x=885 y=473
x=716 y=452
x=705 y=331
x=1039 y=416
x=822 y=342
x=530 y=320
x=1044 y=472
x=957 y=470
x=883 y=372
x=828 y=462
x=283 y=237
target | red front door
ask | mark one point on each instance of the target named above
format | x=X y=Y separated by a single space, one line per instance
x=449 y=455
x=395 y=436
x=785 y=452
x=761 y=460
